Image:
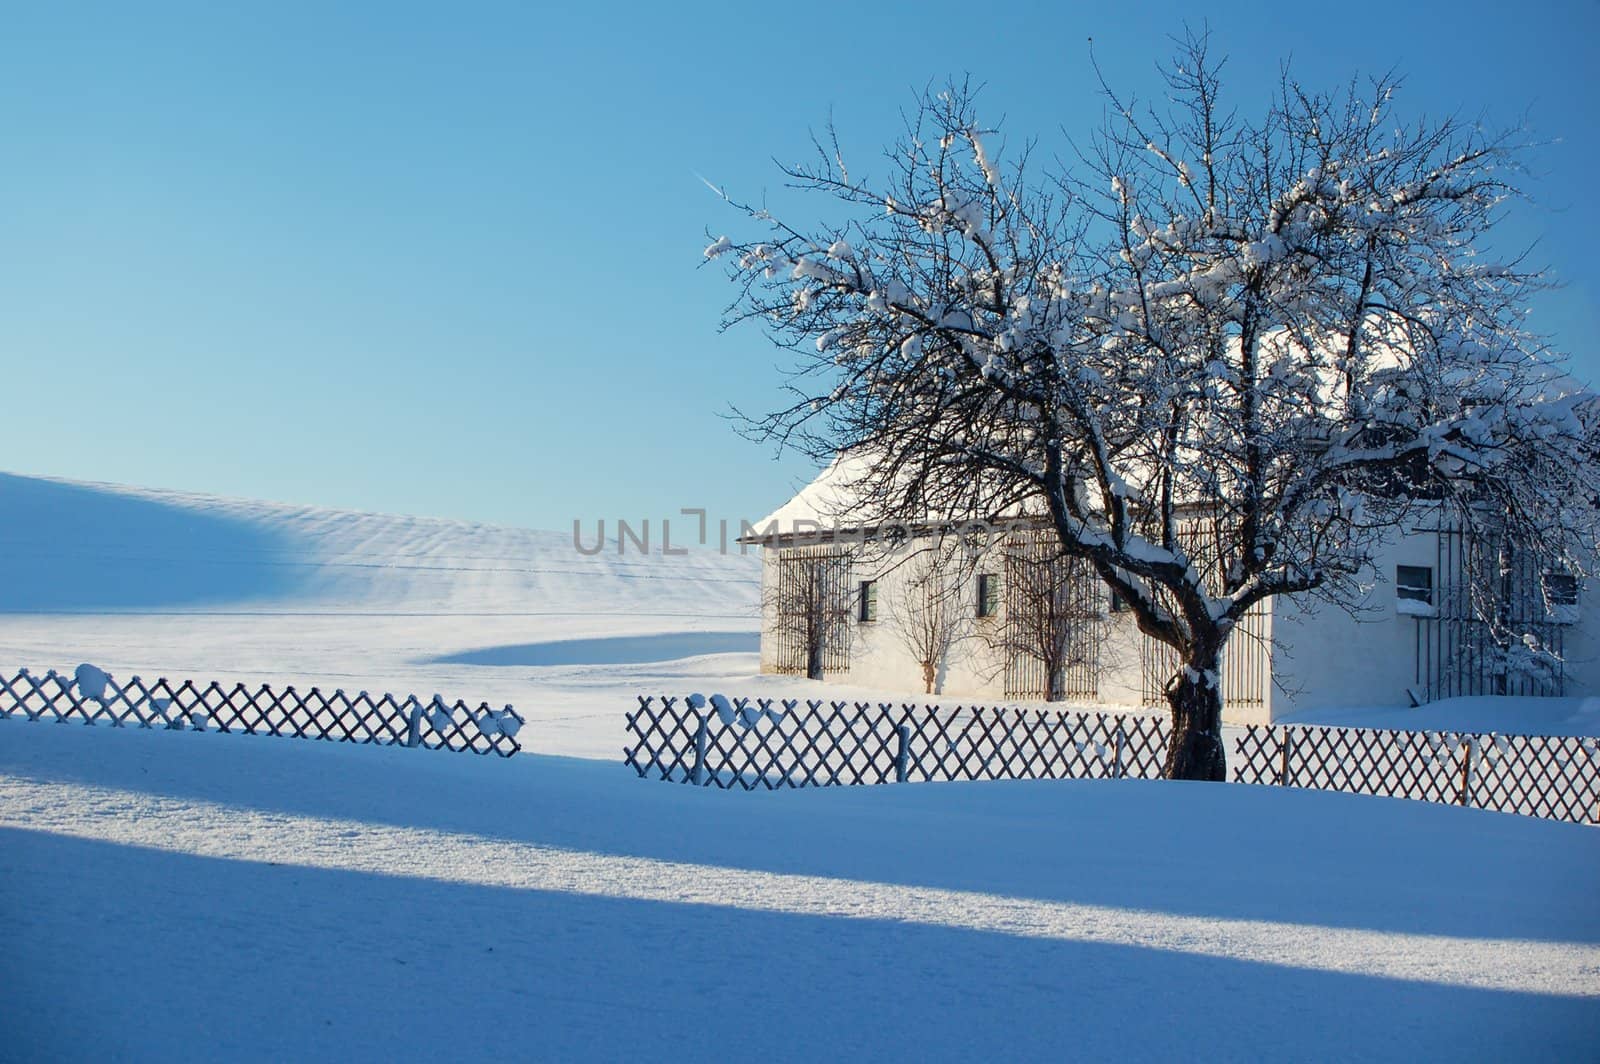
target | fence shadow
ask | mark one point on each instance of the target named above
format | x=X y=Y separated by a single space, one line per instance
x=252 y=961
x=1107 y=842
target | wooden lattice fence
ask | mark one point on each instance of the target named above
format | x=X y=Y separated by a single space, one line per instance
x=791 y=743
x=385 y=719
x=1552 y=776
x=771 y=743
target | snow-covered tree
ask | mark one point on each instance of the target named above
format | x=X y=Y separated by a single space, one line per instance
x=1289 y=328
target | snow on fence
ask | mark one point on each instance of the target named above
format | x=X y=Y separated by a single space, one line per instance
x=771 y=743
x=91 y=696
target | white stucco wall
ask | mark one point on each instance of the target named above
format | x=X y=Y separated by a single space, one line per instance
x=1322 y=656
x=975 y=668
x=1582 y=649
x=879 y=656
x=1326 y=657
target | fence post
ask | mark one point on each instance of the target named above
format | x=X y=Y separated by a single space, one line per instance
x=1466 y=770
x=699 y=774
x=1594 y=762
x=414 y=728
x=1283 y=769
x=902 y=754
x=1117 y=765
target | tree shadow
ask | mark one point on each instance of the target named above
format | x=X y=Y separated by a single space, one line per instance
x=74 y=548
x=1224 y=851
x=150 y=955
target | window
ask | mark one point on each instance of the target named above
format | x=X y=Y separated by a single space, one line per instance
x=1413 y=583
x=867 y=608
x=988 y=594
x=1560 y=589
x=1119 y=604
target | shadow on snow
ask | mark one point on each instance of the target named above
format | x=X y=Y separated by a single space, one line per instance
x=609 y=650
x=1230 y=851
x=323 y=962
x=73 y=548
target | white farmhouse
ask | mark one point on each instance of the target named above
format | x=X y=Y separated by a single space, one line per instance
x=917 y=610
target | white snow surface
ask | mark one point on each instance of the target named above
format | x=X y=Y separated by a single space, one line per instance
x=173 y=895
x=365 y=903
x=159 y=583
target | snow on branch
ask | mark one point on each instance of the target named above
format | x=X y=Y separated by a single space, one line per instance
x=1220 y=356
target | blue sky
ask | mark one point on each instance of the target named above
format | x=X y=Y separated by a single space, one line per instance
x=441 y=259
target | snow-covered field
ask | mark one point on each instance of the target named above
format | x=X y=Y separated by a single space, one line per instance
x=168 y=895
x=181 y=896
x=165 y=583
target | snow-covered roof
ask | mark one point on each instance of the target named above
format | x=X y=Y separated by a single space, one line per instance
x=835 y=502
x=831 y=500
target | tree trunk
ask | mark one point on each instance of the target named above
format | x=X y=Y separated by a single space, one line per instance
x=814 y=660
x=1055 y=683
x=1196 y=751
x=930 y=672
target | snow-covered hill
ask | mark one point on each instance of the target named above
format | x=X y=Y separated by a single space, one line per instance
x=77 y=547
x=181 y=584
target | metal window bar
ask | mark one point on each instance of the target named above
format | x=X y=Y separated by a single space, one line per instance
x=1246 y=658
x=813 y=598
x=1044 y=591
x=1246 y=663
x=1481 y=583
